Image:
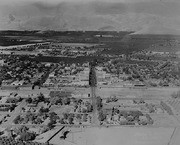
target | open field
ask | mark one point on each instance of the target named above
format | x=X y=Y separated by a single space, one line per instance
x=119 y=43
x=163 y=120
x=104 y=92
x=117 y=136
x=149 y=93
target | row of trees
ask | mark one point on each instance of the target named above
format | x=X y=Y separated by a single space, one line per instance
x=92 y=74
x=53 y=117
x=12 y=141
x=112 y=99
x=129 y=115
x=68 y=118
x=30 y=117
x=23 y=133
x=60 y=101
x=39 y=98
x=99 y=103
x=167 y=108
x=14 y=100
x=7 y=107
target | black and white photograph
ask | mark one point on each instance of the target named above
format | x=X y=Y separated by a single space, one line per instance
x=89 y=72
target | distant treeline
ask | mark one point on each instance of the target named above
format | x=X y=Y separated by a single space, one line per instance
x=5 y=41
x=61 y=33
x=113 y=42
x=68 y=60
x=17 y=33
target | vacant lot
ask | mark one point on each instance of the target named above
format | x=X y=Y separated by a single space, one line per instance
x=118 y=136
x=159 y=93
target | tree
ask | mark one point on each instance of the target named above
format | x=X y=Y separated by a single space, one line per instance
x=176 y=95
x=101 y=116
x=66 y=101
x=114 y=99
x=39 y=121
x=108 y=100
x=26 y=120
x=53 y=116
x=12 y=107
x=21 y=130
x=29 y=100
x=85 y=117
x=84 y=110
x=71 y=119
x=58 y=101
x=51 y=124
x=16 y=120
x=78 y=116
x=43 y=110
x=41 y=97
x=99 y=103
x=65 y=115
x=31 y=117
x=27 y=136
x=44 y=129
x=62 y=121
x=90 y=108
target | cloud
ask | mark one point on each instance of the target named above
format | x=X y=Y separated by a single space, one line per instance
x=89 y=14
x=11 y=17
x=59 y=1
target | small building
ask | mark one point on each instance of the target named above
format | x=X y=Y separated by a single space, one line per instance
x=7 y=82
x=47 y=64
x=18 y=83
x=9 y=87
x=1 y=62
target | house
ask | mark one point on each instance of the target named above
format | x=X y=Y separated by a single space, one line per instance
x=51 y=75
x=143 y=118
x=122 y=119
x=47 y=64
x=7 y=82
x=48 y=83
x=1 y=62
x=18 y=83
x=116 y=117
x=108 y=118
x=9 y=87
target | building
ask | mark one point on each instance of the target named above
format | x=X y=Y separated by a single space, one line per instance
x=18 y=83
x=84 y=75
x=1 y=62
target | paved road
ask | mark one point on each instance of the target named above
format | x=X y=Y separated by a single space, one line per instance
x=95 y=113
x=175 y=137
x=16 y=112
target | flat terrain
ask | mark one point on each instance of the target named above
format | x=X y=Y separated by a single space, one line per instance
x=165 y=128
x=158 y=93
x=104 y=92
x=117 y=136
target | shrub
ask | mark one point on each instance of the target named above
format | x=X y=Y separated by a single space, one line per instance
x=27 y=136
x=101 y=116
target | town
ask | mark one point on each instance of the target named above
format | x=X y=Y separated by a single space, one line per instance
x=51 y=90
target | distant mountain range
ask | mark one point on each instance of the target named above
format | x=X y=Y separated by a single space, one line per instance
x=142 y=17
x=158 y=30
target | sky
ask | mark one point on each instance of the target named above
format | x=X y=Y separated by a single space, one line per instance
x=135 y=15
x=58 y=1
